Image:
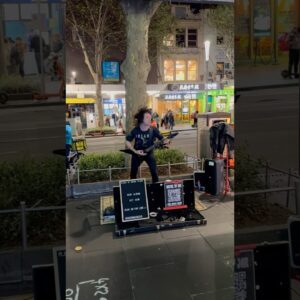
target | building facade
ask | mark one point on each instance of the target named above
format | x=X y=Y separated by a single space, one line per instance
x=181 y=80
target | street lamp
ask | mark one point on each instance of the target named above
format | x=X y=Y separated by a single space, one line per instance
x=73 y=80
x=206 y=47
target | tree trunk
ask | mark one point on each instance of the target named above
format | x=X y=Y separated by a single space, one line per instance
x=3 y=70
x=99 y=103
x=136 y=66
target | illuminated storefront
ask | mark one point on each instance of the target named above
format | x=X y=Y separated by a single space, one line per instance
x=185 y=99
x=261 y=29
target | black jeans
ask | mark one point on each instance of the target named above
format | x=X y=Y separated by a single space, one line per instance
x=68 y=149
x=294 y=60
x=150 y=160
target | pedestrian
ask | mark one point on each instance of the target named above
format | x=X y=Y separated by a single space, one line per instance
x=35 y=46
x=171 y=120
x=68 y=143
x=166 y=120
x=293 y=43
x=144 y=136
x=114 y=118
x=195 y=117
x=162 y=120
x=17 y=55
x=155 y=117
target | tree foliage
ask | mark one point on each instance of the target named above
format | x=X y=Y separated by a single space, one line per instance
x=222 y=18
x=96 y=26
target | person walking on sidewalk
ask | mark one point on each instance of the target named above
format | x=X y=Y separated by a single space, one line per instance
x=294 y=51
x=171 y=120
x=68 y=142
x=195 y=117
x=144 y=136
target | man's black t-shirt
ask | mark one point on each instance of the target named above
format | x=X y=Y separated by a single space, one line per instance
x=143 y=139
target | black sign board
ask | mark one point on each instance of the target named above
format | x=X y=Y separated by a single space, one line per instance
x=174 y=193
x=244 y=276
x=59 y=260
x=294 y=239
x=134 y=202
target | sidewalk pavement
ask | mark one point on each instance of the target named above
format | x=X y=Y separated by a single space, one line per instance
x=262 y=76
x=189 y=263
x=51 y=87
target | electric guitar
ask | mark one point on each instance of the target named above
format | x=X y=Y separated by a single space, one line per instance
x=156 y=145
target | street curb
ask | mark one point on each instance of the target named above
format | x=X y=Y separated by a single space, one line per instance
x=31 y=105
x=264 y=87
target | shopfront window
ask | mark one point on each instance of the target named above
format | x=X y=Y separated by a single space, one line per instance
x=169 y=70
x=192 y=70
x=180 y=70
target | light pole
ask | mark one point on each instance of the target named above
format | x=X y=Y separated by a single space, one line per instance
x=73 y=79
x=206 y=47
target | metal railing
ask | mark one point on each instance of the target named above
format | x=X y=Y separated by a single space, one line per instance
x=193 y=162
x=23 y=210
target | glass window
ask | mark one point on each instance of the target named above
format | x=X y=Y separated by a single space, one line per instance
x=180 y=12
x=169 y=40
x=180 y=37
x=11 y=12
x=192 y=70
x=192 y=38
x=169 y=70
x=180 y=70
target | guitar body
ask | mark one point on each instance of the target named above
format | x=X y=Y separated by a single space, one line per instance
x=159 y=144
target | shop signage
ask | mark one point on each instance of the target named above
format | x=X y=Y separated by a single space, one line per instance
x=184 y=87
x=134 y=202
x=111 y=70
x=113 y=101
x=173 y=193
x=192 y=96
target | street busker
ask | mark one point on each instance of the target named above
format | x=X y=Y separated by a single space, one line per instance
x=144 y=136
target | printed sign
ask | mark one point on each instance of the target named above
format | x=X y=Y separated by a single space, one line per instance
x=174 y=193
x=107 y=211
x=134 y=201
x=111 y=70
x=244 y=276
x=262 y=18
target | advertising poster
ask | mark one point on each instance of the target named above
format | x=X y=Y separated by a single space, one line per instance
x=261 y=18
x=111 y=71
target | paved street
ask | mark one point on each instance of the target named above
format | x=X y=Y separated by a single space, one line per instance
x=185 y=141
x=31 y=130
x=268 y=121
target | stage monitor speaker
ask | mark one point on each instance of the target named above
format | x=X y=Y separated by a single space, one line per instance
x=272 y=271
x=214 y=171
x=294 y=240
x=43 y=282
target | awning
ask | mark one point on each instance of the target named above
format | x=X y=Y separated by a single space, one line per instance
x=80 y=100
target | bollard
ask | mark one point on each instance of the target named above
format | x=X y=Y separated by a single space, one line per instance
x=288 y=192
x=297 y=196
x=169 y=168
x=78 y=176
x=109 y=172
x=23 y=223
x=267 y=179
